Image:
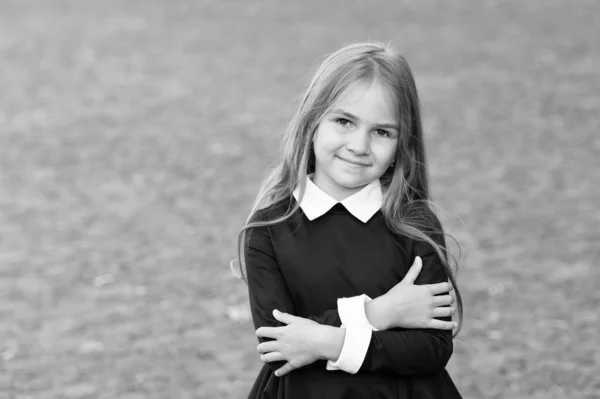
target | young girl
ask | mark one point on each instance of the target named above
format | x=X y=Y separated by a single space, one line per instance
x=340 y=221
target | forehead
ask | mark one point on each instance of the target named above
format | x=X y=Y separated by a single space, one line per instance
x=370 y=102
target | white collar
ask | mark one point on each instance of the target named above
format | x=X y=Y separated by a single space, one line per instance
x=363 y=204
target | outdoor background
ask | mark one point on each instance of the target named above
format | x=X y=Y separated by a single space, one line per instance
x=134 y=135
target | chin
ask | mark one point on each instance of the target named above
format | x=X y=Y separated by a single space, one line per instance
x=350 y=181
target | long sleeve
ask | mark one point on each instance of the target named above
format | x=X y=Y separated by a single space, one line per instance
x=267 y=288
x=416 y=351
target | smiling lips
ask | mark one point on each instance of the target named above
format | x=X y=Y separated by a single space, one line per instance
x=353 y=162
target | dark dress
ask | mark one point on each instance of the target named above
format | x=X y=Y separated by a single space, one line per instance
x=302 y=267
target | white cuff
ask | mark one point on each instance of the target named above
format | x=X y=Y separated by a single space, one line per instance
x=356 y=344
x=352 y=311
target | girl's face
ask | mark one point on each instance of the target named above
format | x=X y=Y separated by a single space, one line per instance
x=356 y=142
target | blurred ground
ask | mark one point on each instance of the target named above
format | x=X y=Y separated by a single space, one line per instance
x=133 y=137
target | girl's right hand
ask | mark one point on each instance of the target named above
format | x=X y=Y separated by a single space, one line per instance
x=416 y=306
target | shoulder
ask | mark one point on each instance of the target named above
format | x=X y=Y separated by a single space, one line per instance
x=273 y=211
x=260 y=236
x=422 y=217
x=422 y=247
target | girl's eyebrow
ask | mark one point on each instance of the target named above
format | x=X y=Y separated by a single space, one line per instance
x=356 y=118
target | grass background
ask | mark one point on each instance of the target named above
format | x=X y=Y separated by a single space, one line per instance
x=134 y=134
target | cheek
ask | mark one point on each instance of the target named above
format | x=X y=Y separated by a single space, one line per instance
x=326 y=142
x=387 y=152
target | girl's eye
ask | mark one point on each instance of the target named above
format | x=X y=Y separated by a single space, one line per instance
x=342 y=121
x=383 y=133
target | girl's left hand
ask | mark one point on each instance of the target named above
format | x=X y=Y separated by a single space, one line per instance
x=296 y=342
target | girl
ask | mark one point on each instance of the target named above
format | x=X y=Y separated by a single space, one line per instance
x=339 y=221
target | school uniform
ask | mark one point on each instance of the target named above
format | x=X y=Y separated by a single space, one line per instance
x=324 y=264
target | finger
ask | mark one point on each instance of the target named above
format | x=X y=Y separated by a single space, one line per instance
x=441 y=300
x=284 y=317
x=284 y=370
x=414 y=271
x=268 y=332
x=439 y=288
x=441 y=324
x=451 y=287
x=272 y=357
x=269 y=346
x=443 y=311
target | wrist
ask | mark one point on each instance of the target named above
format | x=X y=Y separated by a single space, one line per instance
x=331 y=343
x=377 y=312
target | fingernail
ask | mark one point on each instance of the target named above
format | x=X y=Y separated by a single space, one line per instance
x=277 y=374
x=275 y=311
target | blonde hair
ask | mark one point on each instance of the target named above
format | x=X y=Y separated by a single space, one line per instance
x=406 y=206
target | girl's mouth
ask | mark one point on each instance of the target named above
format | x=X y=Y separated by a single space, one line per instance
x=355 y=163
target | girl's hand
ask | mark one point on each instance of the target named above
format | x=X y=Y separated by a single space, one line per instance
x=297 y=342
x=416 y=306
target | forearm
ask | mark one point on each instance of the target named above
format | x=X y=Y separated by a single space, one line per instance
x=397 y=352
x=408 y=352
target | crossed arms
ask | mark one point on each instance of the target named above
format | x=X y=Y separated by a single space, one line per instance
x=407 y=331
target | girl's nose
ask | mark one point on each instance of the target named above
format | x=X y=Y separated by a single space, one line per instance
x=359 y=142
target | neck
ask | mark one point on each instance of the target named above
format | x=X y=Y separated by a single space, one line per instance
x=335 y=191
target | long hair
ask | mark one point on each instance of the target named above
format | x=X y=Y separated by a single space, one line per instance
x=406 y=207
